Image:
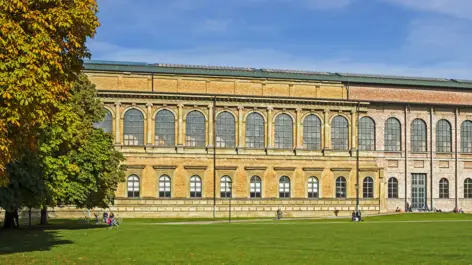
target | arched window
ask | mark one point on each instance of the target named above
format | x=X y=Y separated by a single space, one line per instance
x=418 y=136
x=444 y=188
x=225 y=130
x=466 y=137
x=133 y=127
x=255 y=187
x=468 y=188
x=107 y=124
x=195 y=129
x=283 y=131
x=393 y=135
x=443 y=136
x=340 y=134
x=133 y=186
x=255 y=131
x=368 y=188
x=165 y=128
x=195 y=187
x=366 y=134
x=313 y=187
x=340 y=187
x=392 y=188
x=312 y=132
x=225 y=187
x=284 y=187
x=164 y=187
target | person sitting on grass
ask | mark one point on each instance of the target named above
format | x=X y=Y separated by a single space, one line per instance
x=461 y=211
x=397 y=210
x=105 y=217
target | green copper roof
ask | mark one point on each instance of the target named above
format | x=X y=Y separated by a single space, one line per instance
x=137 y=67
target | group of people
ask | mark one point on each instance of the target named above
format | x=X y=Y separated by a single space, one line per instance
x=456 y=210
x=356 y=216
x=109 y=219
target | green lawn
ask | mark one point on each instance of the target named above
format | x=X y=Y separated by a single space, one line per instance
x=441 y=239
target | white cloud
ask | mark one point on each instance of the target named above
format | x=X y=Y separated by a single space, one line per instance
x=270 y=58
x=457 y=8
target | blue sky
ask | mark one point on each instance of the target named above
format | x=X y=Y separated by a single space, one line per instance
x=397 y=37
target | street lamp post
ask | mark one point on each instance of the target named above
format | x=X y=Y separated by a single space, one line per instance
x=230 y=197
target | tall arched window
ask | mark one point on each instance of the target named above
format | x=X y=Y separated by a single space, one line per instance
x=133 y=127
x=107 y=124
x=284 y=187
x=368 y=188
x=418 y=136
x=340 y=187
x=313 y=187
x=225 y=130
x=255 y=133
x=466 y=137
x=255 y=187
x=165 y=128
x=468 y=188
x=312 y=132
x=392 y=188
x=133 y=186
x=164 y=187
x=226 y=187
x=366 y=134
x=393 y=135
x=195 y=129
x=195 y=187
x=340 y=133
x=443 y=136
x=444 y=188
x=283 y=131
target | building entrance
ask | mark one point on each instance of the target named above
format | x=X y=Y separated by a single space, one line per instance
x=418 y=191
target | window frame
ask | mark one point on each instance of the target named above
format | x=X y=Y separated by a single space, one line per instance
x=253 y=186
x=165 y=191
x=443 y=188
x=368 y=188
x=366 y=134
x=135 y=185
x=285 y=187
x=312 y=131
x=164 y=127
x=105 y=122
x=225 y=136
x=340 y=139
x=226 y=183
x=393 y=135
x=443 y=136
x=283 y=131
x=313 y=188
x=466 y=136
x=341 y=188
x=392 y=188
x=130 y=137
x=253 y=126
x=196 y=190
x=468 y=188
x=195 y=129
x=419 y=136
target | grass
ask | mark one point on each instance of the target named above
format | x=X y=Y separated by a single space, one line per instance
x=433 y=238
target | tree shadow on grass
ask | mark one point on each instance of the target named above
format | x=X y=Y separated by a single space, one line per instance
x=37 y=238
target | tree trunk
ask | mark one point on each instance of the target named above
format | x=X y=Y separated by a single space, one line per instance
x=29 y=217
x=44 y=216
x=9 y=221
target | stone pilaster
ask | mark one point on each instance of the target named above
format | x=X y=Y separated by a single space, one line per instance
x=149 y=123
x=327 y=130
x=269 y=143
x=354 y=116
x=299 y=129
x=180 y=138
x=211 y=123
x=117 y=123
x=239 y=139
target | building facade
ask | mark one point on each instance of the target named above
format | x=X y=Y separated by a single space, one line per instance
x=197 y=139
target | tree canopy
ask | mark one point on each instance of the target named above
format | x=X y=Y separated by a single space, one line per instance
x=42 y=44
x=74 y=163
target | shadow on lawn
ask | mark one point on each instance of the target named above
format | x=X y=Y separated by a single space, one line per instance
x=37 y=238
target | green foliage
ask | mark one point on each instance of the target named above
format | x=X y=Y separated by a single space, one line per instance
x=76 y=163
x=42 y=44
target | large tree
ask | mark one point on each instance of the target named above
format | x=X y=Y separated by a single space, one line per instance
x=75 y=163
x=42 y=44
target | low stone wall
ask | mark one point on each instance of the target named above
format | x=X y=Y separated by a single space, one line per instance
x=203 y=208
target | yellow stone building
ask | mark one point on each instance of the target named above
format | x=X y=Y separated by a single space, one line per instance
x=197 y=139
